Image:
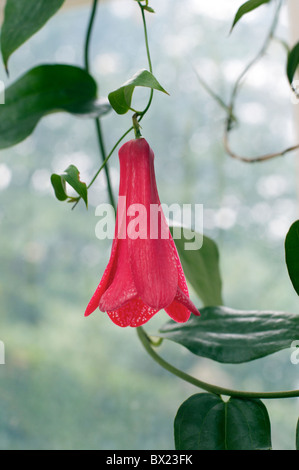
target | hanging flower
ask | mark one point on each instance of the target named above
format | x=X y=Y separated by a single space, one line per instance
x=144 y=273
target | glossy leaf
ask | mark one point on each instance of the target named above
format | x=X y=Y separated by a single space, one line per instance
x=43 y=90
x=247 y=425
x=205 y=422
x=234 y=336
x=121 y=98
x=72 y=177
x=246 y=8
x=198 y=421
x=293 y=62
x=292 y=254
x=22 y=19
x=201 y=266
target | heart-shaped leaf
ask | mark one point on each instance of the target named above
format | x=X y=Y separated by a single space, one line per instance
x=43 y=90
x=234 y=336
x=22 y=19
x=121 y=98
x=205 y=422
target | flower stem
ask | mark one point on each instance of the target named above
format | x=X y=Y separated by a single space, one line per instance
x=146 y=39
x=88 y=34
x=97 y=120
x=139 y=115
x=215 y=389
x=148 y=59
x=109 y=155
x=230 y=108
x=105 y=162
x=136 y=126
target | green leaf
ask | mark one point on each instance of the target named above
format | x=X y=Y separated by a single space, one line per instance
x=205 y=422
x=58 y=184
x=121 y=98
x=292 y=254
x=146 y=6
x=22 y=19
x=234 y=336
x=297 y=435
x=43 y=90
x=246 y=8
x=247 y=425
x=72 y=177
x=198 y=421
x=200 y=266
x=293 y=62
x=149 y=9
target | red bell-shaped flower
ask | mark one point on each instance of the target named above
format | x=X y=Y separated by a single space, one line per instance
x=144 y=273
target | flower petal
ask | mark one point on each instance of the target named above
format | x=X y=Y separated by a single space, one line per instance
x=151 y=256
x=181 y=276
x=114 y=263
x=122 y=288
x=178 y=312
x=154 y=272
x=107 y=279
x=135 y=313
x=181 y=308
x=183 y=299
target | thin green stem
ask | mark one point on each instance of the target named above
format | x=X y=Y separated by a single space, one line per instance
x=146 y=39
x=105 y=162
x=257 y=57
x=215 y=389
x=138 y=116
x=230 y=108
x=97 y=120
x=136 y=126
x=109 y=155
x=148 y=59
x=88 y=34
x=211 y=92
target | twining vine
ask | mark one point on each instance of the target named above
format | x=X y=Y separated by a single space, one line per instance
x=18 y=122
x=145 y=339
x=229 y=108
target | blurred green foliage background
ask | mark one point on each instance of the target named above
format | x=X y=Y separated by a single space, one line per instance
x=71 y=382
